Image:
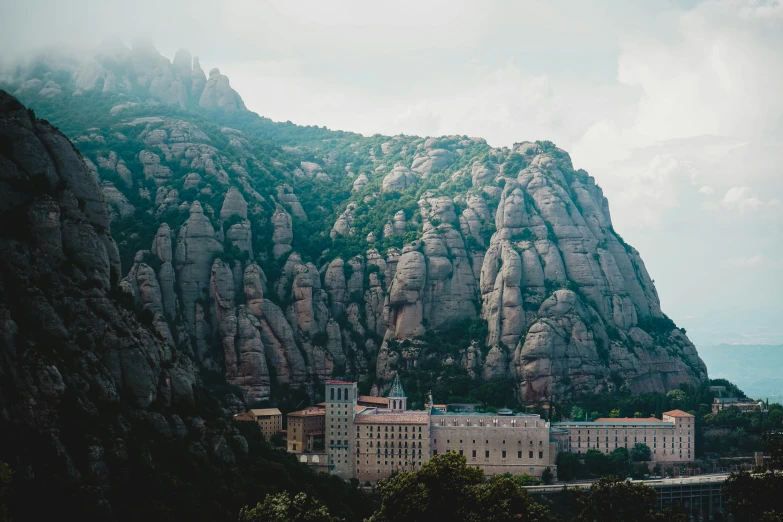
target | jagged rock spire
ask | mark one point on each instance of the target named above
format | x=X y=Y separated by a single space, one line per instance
x=396 y=391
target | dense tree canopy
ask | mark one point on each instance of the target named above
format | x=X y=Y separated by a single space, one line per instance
x=446 y=488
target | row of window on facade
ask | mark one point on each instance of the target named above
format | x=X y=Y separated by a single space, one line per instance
x=386 y=444
x=399 y=428
x=625 y=439
x=486 y=441
x=486 y=453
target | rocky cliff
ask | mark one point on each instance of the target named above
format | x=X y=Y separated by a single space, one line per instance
x=102 y=414
x=280 y=256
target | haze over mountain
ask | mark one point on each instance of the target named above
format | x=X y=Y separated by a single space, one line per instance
x=280 y=256
x=661 y=101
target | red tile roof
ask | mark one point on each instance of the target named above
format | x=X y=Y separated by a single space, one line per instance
x=308 y=412
x=627 y=419
x=245 y=417
x=373 y=400
x=340 y=382
x=678 y=413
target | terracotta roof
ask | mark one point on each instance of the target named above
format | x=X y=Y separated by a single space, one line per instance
x=308 y=412
x=321 y=405
x=265 y=411
x=340 y=382
x=244 y=417
x=408 y=417
x=373 y=400
x=627 y=419
x=678 y=413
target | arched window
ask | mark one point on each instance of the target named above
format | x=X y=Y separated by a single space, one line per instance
x=332 y=394
x=346 y=394
x=339 y=394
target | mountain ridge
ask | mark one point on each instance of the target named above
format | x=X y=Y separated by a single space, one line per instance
x=281 y=255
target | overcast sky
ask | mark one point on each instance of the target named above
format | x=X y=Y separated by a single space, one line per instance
x=674 y=106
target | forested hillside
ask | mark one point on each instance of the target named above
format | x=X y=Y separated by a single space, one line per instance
x=276 y=256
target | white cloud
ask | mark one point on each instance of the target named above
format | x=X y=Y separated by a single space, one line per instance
x=706 y=190
x=752 y=261
x=744 y=200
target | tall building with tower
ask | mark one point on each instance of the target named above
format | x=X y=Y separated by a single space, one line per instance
x=341 y=409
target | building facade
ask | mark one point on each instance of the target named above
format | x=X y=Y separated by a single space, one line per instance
x=390 y=439
x=269 y=420
x=670 y=439
x=305 y=429
x=497 y=444
x=341 y=408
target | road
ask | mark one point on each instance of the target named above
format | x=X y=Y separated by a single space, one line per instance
x=698 y=479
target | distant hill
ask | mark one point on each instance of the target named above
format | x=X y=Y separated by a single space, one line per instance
x=756 y=369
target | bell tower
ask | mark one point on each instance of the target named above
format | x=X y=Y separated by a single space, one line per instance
x=397 y=399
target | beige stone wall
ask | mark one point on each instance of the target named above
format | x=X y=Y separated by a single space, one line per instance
x=684 y=437
x=270 y=424
x=662 y=439
x=495 y=444
x=340 y=413
x=302 y=430
x=382 y=448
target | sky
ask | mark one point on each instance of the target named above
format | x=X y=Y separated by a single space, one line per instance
x=675 y=107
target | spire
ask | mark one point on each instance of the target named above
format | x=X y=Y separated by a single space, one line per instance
x=396 y=391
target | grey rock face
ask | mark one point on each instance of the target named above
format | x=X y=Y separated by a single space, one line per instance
x=218 y=94
x=398 y=179
x=283 y=232
x=118 y=204
x=196 y=246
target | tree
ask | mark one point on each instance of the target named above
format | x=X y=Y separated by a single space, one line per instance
x=596 y=462
x=547 y=476
x=614 y=500
x=446 y=488
x=577 y=413
x=5 y=480
x=283 y=508
x=640 y=452
x=569 y=467
x=594 y=415
x=618 y=460
x=755 y=497
x=676 y=398
x=614 y=414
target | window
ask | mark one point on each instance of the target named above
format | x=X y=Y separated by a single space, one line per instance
x=530 y=454
x=486 y=454
x=540 y=454
x=519 y=454
x=339 y=394
x=474 y=454
x=460 y=452
x=504 y=454
x=331 y=394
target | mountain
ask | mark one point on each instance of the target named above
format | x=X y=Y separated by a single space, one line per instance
x=100 y=417
x=278 y=256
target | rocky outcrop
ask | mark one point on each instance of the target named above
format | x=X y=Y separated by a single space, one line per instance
x=218 y=94
x=118 y=205
x=195 y=248
x=398 y=179
x=283 y=232
x=441 y=251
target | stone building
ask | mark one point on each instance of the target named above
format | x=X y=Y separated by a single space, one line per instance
x=341 y=408
x=269 y=420
x=720 y=403
x=670 y=439
x=498 y=444
x=305 y=429
x=390 y=439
